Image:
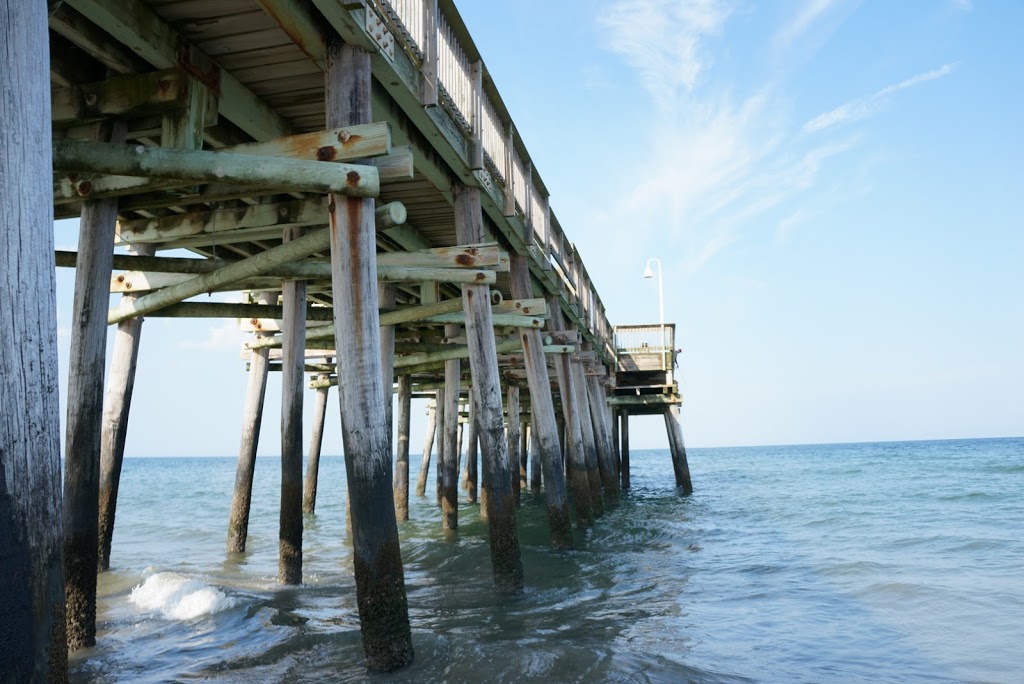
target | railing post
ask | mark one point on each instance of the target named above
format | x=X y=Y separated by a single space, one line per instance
x=428 y=98
x=510 y=171
x=476 y=156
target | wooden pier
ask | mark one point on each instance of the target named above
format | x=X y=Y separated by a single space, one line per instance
x=352 y=168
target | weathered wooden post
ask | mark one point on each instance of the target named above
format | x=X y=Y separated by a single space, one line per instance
x=86 y=367
x=625 y=448
x=32 y=621
x=579 y=384
x=401 y=489
x=116 y=408
x=316 y=441
x=524 y=454
x=486 y=390
x=428 y=447
x=293 y=352
x=606 y=458
x=377 y=558
x=574 y=454
x=535 y=468
x=472 y=441
x=616 y=441
x=679 y=464
x=252 y=417
x=448 y=465
x=512 y=409
x=547 y=449
x=442 y=412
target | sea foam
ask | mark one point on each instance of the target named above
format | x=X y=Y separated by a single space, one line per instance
x=178 y=597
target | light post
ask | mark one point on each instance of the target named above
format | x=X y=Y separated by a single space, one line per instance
x=648 y=273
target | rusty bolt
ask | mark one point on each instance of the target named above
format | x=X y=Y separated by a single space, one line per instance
x=128 y=285
x=90 y=99
x=84 y=188
x=120 y=278
x=282 y=212
x=344 y=136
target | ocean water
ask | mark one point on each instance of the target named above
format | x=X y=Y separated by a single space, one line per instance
x=888 y=562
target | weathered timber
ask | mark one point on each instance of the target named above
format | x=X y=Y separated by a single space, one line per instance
x=572 y=440
x=616 y=443
x=442 y=411
x=252 y=417
x=86 y=367
x=136 y=25
x=680 y=467
x=117 y=406
x=428 y=446
x=349 y=143
x=239 y=270
x=579 y=384
x=602 y=436
x=293 y=299
x=196 y=166
x=316 y=441
x=401 y=488
x=535 y=463
x=377 y=558
x=449 y=464
x=386 y=300
x=472 y=441
x=512 y=410
x=32 y=622
x=135 y=95
x=624 y=471
x=501 y=509
x=544 y=425
x=524 y=455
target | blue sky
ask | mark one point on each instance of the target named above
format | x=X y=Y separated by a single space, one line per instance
x=834 y=189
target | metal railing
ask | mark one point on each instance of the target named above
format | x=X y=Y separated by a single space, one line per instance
x=642 y=340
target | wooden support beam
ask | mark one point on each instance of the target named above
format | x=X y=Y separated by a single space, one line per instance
x=121 y=96
x=579 y=383
x=377 y=557
x=401 y=488
x=512 y=410
x=348 y=143
x=293 y=299
x=316 y=440
x=573 y=440
x=680 y=467
x=32 y=620
x=602 y=436
x=624 y=455
x=196 y=166
x=252 y=417
x=256 y=265
x=84 y=413
x=535 y=460
x=140 y=28
x=428 y=446
x=120 y=386
x=543 y=421
x=472 y=442
x=501 y=510
x=449 y=463
x=524 y=454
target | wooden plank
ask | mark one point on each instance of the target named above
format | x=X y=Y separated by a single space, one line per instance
x=32 y=589
x=134 y=95
x=348 y=143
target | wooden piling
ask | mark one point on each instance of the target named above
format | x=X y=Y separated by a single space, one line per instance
x=486 y=390
x=625 y=449
x=680 y=467
x=472 y=442
x=439 y=439
x=428 y=446
x=535 y=467
x=512 y=409
x=252 y=417
x=293 y=299
x=616 y=442
x=579 y=384
x=85 y=411
x=547 y=449
x=32 y=620
x=401 y=488
x=573 y=449
x=377 y=557
x=448 y=465
x=116 y=408
x=316 y=440
x=524 y=454
x=602 y=435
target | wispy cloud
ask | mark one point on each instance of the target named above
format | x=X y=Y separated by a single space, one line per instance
x=810 y=13
x=863 y=107
x=224 y=336
x=662 y=40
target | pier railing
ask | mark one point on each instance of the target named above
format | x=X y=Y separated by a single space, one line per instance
x=433 y=37
x=646 y=347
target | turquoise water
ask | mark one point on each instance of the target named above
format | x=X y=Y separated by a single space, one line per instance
x=890 y=562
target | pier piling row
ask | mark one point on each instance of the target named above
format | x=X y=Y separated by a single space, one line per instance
x=351 y=168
